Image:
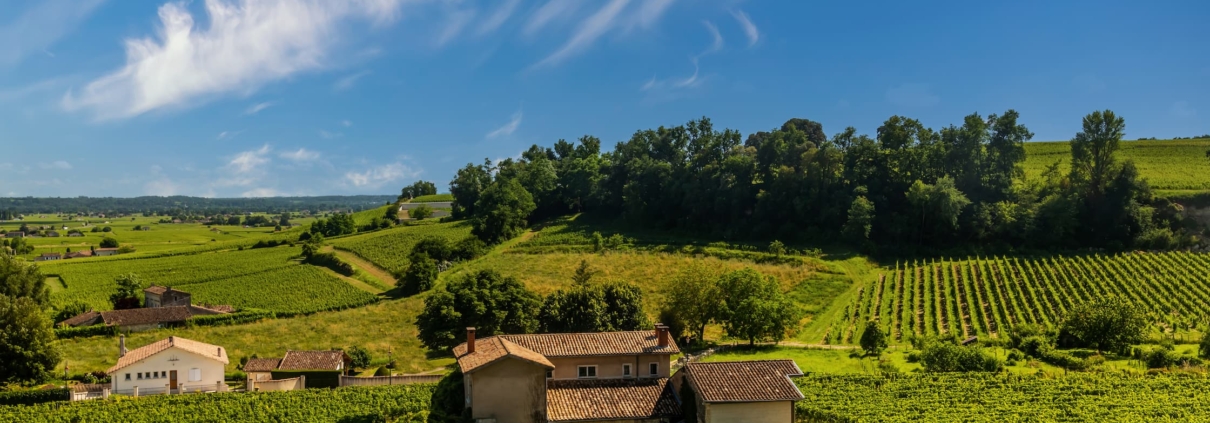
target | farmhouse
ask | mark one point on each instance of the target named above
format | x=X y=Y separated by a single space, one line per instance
x=172 y=365
x=581 y=377
x=49 y=256
x=15 y=234
x=52 y=234
x=162 y=296
x=104 y=252
x=321 y=368
x=78 y=254
x=742 y=391
x=76 y=234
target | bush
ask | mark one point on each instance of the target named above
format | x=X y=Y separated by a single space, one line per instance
x=242 y=316
x=360 y=357
x=448 y=403
x=86 y=331
x=420 y=276
x=330 y=261
x=1204 y=348
x=382 y=371
x=109 y=243
x=943 y=356
x=469 y=248
x=421 y=212
x=873 y=339
x=34 y=396
x=1015 y=355
x=1112 y=324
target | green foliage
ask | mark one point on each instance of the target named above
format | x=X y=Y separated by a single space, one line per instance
x=448 y=402
x=382 y=371
x=128 y=293
x=1203 y=349
x=873 y=339
x=360 y=356
x=860 y=220
x=501 y=212
x=417 y=189
x=754 y=308
x=18 y=279
x=246 y=315
x=108 y=242
x=420 y=212
x=337 y=225
x=1089 y=397
x=486 y=300
x=421 y=274
x=1111 y=324
x=384 y=248
x=777 y=248
x=331 y=261
x=33 y=396
x=70 y=310
x=85 y=331
x=587 y=307
x=28 y=352
x=468 y=185
x=695 y=299
x=939 y=355
x=435 y=198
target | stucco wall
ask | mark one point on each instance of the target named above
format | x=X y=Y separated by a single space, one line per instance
x=510 y=391
x=610 y=366
x=211 y=371
x=750 y=412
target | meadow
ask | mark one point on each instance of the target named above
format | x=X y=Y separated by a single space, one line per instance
x=1168 y=165
x=388 y=249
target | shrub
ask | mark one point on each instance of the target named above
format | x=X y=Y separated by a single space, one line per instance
x=330 y=261
x=1204 y=348
x=360 y=357
x=85 y=331
x=420 y=276
x=873 y=339
x=943 y=356
x=1108 y=325
x=34 y=396
x=109 y=242
x=469 y=248
x=382 y=371
x=1015 y=355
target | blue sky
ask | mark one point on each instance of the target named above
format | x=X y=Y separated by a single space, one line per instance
x=307 y=97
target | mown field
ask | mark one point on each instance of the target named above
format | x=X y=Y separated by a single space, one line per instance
x=988 y=296
x=352 y=404
x=1175 y=165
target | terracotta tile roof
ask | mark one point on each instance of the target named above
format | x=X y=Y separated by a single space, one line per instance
x=156 y=289
x=136 y=355
x=262 y=364
x=313 y=360
x=146 y=316
x=594 y=343
x=489 y=350
x=745 y=381
x=88 y=387
x=85 y=318
x=609 y=399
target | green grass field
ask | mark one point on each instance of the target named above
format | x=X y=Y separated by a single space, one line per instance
x=1169 y=165
x=435 y=198
x=389 y=248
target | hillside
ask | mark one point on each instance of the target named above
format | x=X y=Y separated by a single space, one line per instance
x=1169 y=165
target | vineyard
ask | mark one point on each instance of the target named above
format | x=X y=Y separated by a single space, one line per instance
x=264 y=278
x=389 y=248
x=986 y=296
x=1001 y=397
x=408 y=403
x=1166 y=164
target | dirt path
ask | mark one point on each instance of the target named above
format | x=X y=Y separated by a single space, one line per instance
x=351 y=281
x=364 y=265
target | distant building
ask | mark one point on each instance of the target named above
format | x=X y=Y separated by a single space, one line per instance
x=49 y=256
x=169 y=366
x=75 y=234
x=14 y=234
x=322 y=368
x=105 y=252
x=742 y=391
x=78 y=254
x=139 y=319
x=162 y=296
x=52 y=234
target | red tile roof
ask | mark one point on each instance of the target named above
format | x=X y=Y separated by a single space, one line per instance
x=493 y=348
x=85 y=318
x=313 y=360
x=610 y=399
x=146 y=316
x=594 y=343
x=745 y=381
x=136 y=355
x=262 y=364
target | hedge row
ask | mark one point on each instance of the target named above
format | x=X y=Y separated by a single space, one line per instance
x=34 y=397
x=86 y=331
x=243 y=316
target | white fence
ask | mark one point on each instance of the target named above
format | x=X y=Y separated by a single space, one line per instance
x=277 y=385
x=388 y=380
x=139 y=391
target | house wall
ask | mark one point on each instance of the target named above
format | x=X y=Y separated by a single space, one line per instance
x=260 y=376
x=139 y=328
x=610 y=366
x=510 y=391
x=750 y=412
x=211 y=372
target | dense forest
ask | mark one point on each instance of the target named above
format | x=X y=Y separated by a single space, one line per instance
x=909 y=188
x=176 y=205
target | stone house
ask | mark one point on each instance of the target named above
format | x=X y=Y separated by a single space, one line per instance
x=173 y=365
x=105 y=252
x=163 y=296
x=49 y=256
x=742 y=391
x=321 y=368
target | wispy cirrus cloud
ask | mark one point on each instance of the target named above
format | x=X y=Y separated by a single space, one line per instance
x=749 y=28
x=380 y=175
x=256 y=108
x=508 y=128
x=246 y=44
x=55 y=165
x=250 y=161
x=40 y=26
x=552 y=11
x=501 y=15
x=588 y=32
x=300 y=155
x=348 y=81
x=650 y=12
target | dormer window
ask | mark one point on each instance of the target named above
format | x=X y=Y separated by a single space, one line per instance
x=587 y=372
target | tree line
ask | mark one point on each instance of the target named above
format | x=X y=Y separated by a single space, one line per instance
x=908 y=188
x=12 y=207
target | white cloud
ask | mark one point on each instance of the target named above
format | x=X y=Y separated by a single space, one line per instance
x=262 y=192
x=348 y=81
x=41 y=26
x=300 y=155
x=249 y=161
x=329 y=135
x=691 y=81
x=377 y=176
x=650 y=12
x=455 y=22
x=502 y=14
x=57 y=164
x=1182 y=109
x=718 y=39
x=552 y=10
x=589 y=31
x=256 y=108
x=246 y=44
x=163 y=187
x=749 y=28
x=912 y=95
x=346 y=123
x=508 y=128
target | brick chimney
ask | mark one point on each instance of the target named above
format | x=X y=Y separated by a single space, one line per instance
x=470 y=340
x=122 y=345
x=661 y=332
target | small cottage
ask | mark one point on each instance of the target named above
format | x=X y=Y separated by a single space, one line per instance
x=172 y=365
x=742 y=391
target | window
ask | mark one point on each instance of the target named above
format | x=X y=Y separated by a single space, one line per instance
x=626 y=370
x=140 y=375
x=588 y=372
x=157 y=375
x=655 y=369
x=195 y=375
x=128 y=376
x=550 y=374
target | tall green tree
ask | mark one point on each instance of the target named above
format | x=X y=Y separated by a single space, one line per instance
x=694 y=297
x=126 y=296
x=18 y=279
x=420 y=276
x=28 y=352
x=468 y=184
x=860 y=221
x=486 y=300
x=1111 y=324
x=502 y=211
x=1092 y=151
x=873 y=339
x=754 y=308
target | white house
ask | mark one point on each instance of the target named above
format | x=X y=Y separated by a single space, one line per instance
x=173 y=365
